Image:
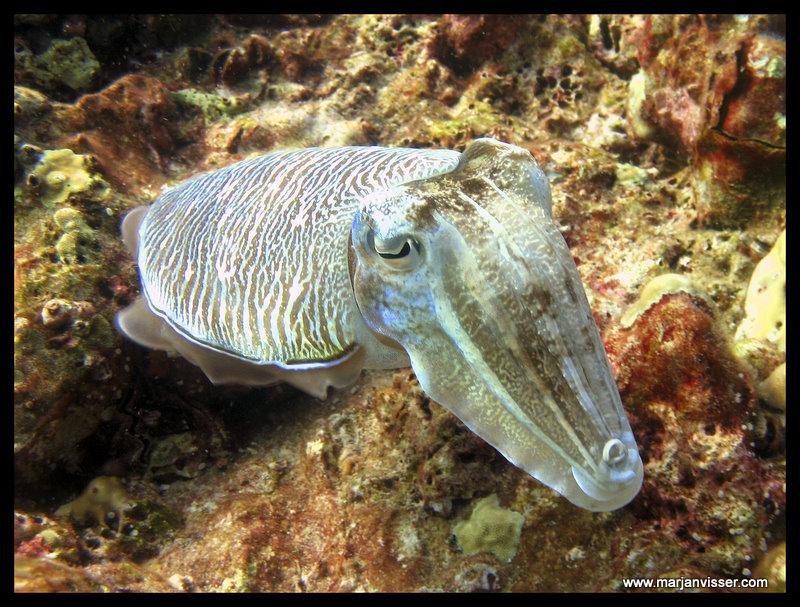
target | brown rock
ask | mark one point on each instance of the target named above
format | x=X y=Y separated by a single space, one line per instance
x=129 y=128
x=469 y=40
x=675 y=353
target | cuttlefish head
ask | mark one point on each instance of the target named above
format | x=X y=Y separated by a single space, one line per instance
x=469 y=274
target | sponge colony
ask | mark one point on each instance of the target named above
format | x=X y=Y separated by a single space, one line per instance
x=765 y=305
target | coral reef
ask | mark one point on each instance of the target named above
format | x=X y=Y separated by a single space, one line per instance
x=213 y=107
x=717 y=91
x=49 y=556
x=663 y=137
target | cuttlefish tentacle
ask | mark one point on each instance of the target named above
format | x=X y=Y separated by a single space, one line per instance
x=308 y=266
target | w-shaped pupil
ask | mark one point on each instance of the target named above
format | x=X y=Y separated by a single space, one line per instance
x=404 y=250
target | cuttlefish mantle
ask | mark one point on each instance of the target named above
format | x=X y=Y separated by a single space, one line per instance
x=308 y=266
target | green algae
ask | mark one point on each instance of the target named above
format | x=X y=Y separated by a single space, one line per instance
x=468 y=120
x=632 y=176
x=76 y=234
x=490 y=528
x=70 y=63
x=169 y=454
x=213 y=107
x=154 y=524
x=97 y=333
x=47 y=277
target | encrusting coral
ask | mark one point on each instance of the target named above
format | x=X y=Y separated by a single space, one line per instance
x=105 y=497
x=60 y=174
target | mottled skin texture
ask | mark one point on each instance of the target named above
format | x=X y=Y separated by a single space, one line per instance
x=454 y=263
x=490 y=308
x=251 y=259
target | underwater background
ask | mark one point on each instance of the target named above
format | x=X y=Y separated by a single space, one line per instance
x=663 y=137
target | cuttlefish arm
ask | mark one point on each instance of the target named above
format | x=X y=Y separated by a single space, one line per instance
x=468 y=272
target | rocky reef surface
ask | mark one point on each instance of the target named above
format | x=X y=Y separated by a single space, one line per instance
x=664 y=140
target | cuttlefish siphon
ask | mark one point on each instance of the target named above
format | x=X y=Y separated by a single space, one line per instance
x=308 y=266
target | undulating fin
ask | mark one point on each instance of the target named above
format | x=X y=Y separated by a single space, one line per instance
x=140 y=324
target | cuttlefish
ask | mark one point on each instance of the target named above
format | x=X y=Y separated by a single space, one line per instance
x=308 y=266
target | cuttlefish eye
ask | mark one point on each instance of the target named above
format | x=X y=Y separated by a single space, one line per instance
x=400 y=252
x=495 y=320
